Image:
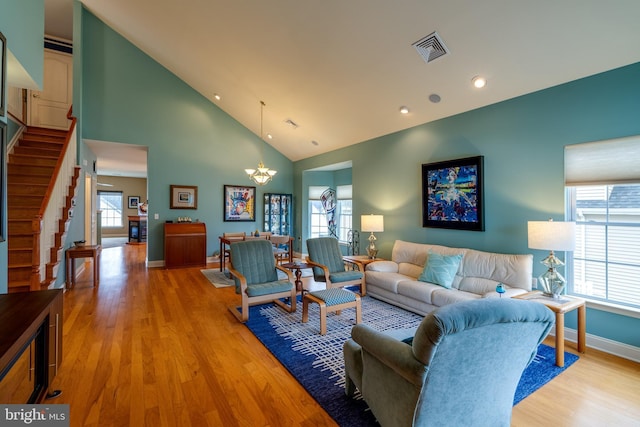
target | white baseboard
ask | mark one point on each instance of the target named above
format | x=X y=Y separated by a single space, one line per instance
x=616 y=348
x=153 y=264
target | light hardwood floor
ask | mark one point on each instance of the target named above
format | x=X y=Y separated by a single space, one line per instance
x=156 y=347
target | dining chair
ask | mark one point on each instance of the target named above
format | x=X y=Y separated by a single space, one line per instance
x=280 y=248
x=226 y=253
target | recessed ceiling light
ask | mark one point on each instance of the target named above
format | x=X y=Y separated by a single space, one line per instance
x=479 y=82
x=314 y=142
x=404 y=110
x=269 y=136
x=435 y=98
x=217 y=97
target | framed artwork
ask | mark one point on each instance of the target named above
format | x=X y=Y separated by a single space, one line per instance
x=133 y=202
x=239 y=203
x=3 y=176
x=184 y=197
x=452 y=194
x=3 y=73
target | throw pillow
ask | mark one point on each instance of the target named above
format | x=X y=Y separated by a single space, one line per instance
x=441 y=269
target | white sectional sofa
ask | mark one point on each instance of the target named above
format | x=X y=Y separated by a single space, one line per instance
x=477 y=276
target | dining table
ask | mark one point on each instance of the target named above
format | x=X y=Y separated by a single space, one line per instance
x=225 y=243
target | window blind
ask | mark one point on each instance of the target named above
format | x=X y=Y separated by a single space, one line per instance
x=343 y=192
x=614 y=161
x=315 y=191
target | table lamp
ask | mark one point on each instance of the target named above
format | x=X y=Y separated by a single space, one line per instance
x=552 y=236
x=371 y=223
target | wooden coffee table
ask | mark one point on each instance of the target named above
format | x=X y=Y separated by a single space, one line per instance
x=560 y=306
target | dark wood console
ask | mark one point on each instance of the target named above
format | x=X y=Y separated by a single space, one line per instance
x=185 y=245
x=30 y=345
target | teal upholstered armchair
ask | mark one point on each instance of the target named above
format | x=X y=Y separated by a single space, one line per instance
x=253 y=267
x=460 y=368
x=329 y=266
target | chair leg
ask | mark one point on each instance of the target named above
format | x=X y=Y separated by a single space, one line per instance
x=242 y=316
x=323 y=319
x=305 y=310
x=358 y=310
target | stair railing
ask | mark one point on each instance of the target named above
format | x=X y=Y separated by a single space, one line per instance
x=45 y=224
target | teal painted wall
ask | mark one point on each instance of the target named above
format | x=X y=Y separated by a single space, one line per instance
x=22 y=23
x=127 y=97
x=522 y=141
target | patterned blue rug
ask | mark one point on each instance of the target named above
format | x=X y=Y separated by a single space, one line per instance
x=316 y=360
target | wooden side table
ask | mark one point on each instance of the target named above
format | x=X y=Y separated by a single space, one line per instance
x=90 y=251
x=297 y=267
x=560 y=306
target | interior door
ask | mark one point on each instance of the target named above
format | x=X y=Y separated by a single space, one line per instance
x=49 y=107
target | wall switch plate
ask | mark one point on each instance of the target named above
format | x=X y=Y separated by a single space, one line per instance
x=156 y=216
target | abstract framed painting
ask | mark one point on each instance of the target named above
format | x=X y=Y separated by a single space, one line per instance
x=452 y=194
x=239 y=203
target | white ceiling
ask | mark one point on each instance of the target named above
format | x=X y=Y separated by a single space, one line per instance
x=341 y=69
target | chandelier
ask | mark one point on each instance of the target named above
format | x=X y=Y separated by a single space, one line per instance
x=262 y=175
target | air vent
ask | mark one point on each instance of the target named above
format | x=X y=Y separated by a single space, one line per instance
x=431 y=47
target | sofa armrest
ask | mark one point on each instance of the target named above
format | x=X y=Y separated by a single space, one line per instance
x=391 y=352
x=383 y=266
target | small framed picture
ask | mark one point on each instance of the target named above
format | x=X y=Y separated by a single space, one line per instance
x=184 y=197
x=239 y=203
x=133 y=202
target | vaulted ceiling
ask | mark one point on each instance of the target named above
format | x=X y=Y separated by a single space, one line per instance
x=341 y=70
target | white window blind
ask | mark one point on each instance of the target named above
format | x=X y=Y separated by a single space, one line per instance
x=613 y=161
x=343 y=192
x=315 y=191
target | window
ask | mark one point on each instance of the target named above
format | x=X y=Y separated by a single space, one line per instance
x=602 y=182
x=345 y=212
x=318 y=226
x=110 y=203
x=605 y=264
x=318 y=219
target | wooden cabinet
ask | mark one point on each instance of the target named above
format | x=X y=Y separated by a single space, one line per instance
x=185 y=245
x=30 y=344
x=137 y=229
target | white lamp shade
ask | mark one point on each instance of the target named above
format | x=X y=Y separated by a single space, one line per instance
x=552 y=236
x=372 y=223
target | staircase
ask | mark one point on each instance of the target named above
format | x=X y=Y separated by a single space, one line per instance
x=30 y=170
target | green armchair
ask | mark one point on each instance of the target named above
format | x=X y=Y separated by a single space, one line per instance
x=461 y=367
x=329 y=265
x=254 y=270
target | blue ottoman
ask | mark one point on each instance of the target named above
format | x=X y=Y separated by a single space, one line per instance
x=331 y=300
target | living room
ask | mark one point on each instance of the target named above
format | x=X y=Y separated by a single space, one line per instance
x=128 y=97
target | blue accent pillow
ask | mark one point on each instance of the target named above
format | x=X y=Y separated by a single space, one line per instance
x=441 y=269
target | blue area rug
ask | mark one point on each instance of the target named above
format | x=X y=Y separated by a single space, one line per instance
x=316 y=361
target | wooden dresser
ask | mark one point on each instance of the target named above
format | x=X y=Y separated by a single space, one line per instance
x=30 y=344
x=185 y=245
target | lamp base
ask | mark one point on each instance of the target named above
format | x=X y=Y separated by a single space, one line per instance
x=372 y=251
x=553 y=283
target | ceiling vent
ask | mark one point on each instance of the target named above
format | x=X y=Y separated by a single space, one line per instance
x=431 y=47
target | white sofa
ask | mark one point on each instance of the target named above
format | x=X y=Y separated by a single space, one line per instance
x=478 y=274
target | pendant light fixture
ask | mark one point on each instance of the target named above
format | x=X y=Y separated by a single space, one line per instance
x=262 y=175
